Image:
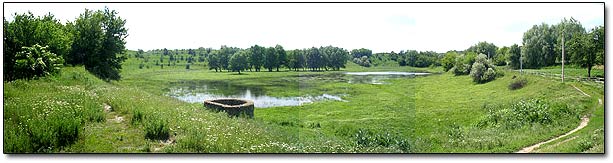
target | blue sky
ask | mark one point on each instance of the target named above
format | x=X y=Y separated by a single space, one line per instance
x=380 y=27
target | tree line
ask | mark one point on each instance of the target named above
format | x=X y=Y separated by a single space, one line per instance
x=259 y=58
x=37 y=46
x=542 y=46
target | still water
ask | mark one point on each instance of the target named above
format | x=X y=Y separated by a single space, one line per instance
x=198 y=91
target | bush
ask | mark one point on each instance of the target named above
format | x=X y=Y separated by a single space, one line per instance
x=448 y=60
x=36 y=61
x=368 y=139
x=137 y=116
x=526 y=112
x=187 y=66
x=460 y=69
x=482 y=71
x=362 y=61
x=518 y=83
x=157 y=129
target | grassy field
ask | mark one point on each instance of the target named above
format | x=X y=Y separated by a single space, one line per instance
x=571 y=71
x=437 y=113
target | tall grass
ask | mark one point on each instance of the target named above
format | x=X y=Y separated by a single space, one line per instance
x=46 y=115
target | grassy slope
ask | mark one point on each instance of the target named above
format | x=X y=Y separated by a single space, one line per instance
x=571 y=70
x=589 y=139
x=194 y=129
x=427 y=112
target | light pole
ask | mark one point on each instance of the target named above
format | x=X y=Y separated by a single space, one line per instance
x=520 y=63
x=562 y=57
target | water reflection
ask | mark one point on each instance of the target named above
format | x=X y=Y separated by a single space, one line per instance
x=196 y=92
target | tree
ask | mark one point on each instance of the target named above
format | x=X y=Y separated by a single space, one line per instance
x=270 y=58
x=538 y=48
x=25 y=30
x=100 y=37
x=448 y=60
x=238 y=62
x=256 y=59
x=411 y=57
x=224 y=56
x=313 y=57
x=501 y=56
x=292 y=60
x=586 y=48
x=139 y=53
x=214 y=61
x=598 y=34
x=514 y=54
x=297 y=59
x=489 y=49
x=337 y=57
x=357 y=53
x=281 y=56
x=566 y=29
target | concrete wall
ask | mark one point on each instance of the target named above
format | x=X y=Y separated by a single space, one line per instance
x=234 y=107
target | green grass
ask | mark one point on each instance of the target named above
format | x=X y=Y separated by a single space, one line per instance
x=437 y=113
x=571 y=71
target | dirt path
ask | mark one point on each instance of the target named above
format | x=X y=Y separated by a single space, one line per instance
x=584 y=121
x=581 y=91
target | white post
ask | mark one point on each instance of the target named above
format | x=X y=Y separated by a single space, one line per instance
x=562 y=58
x=520 y=63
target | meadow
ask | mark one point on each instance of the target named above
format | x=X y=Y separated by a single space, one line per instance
x=438 y=113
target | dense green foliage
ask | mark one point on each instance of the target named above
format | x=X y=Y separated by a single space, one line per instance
x=514 y=56
x=588 y=50
x=36 y=61
x=542 y=45
x=518 y=83
x=26 y=31
x=449 y=60
x=99 y=40
x=238 y=62
x=522 y=113
x=482 y=70
x=489 y=49
x=443 y=112
x=94 y=39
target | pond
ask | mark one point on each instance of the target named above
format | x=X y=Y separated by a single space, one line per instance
x=197 y=91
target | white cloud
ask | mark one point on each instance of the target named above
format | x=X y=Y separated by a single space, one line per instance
x=380 y=27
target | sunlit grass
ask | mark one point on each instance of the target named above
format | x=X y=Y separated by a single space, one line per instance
x=437 y=113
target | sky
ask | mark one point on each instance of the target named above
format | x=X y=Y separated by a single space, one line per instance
x=381 y=27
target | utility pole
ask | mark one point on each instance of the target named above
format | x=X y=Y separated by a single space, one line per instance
x=562 y=57
x=520 y=63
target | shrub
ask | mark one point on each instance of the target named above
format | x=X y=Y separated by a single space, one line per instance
x=157 y=129
x=518 y=83
x=482 y=71
x=36 y=61
x=141 y=65
x=365 y=139
x=460 y=69
x=448 y=60
x=526 y=112
x=187 y=66
x=137 y=116
x=362 y=61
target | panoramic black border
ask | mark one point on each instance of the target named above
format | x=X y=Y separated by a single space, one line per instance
x=362 y=155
